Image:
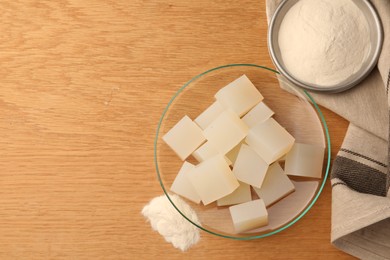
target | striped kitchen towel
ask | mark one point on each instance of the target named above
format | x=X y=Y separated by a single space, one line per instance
x=360 y=175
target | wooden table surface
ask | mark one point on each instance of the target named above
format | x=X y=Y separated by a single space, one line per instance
x=83 y=84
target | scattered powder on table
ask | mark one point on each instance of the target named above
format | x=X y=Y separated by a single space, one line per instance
x=323 y=42
x=165 y=219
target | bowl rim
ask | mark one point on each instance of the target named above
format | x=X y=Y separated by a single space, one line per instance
x=338 y=87
x=287 y=225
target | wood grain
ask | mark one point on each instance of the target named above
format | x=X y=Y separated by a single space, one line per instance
x=83 y=84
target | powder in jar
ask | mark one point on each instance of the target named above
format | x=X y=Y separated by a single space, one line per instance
x=324 y=42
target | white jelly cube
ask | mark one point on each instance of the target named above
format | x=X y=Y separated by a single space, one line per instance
x=184 y=138
x=182 y=185
x=258 y=114
x=226 y=131
x=233 y=153
x=250 y=167
x=276 y=185
x=206 y=151
x=209 y=115
x=288 y=208
x=270 y=140
x=240 y=95
x=249 y=215
x=305 y=160
x=213 y=179
x=240 y=195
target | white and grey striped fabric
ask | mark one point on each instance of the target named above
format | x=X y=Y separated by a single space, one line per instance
x=360 y=176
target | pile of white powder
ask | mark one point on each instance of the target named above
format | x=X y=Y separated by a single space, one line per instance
x=323 y=42
x=165 y=219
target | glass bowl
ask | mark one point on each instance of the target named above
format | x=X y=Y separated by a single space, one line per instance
x=294 y=109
